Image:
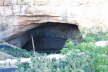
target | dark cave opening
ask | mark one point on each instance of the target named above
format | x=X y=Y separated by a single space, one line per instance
x=50 y=37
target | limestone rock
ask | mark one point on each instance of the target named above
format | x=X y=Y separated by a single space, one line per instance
x=18 y=16
x=102 y=43
x=56 y=56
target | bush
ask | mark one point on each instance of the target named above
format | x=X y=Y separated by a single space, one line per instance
x=16 y=52
x=98 y=55
x=73 y=62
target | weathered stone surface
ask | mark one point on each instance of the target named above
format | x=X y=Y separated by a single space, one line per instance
x=1 y=2
x=56 y=56
x=4 y=56
x=102 y=43
x=17 y=16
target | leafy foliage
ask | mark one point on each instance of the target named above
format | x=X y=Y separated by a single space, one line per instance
x=16 y=52
x=98 y=55
x=73 y=62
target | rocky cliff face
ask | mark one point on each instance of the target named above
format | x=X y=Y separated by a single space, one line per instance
x=17 y=16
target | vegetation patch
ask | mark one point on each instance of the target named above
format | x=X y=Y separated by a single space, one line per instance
x=98 y=55
x=16 y=52
x=83 y=57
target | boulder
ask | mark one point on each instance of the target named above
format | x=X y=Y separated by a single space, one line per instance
x=102 y=43
x=56 y=56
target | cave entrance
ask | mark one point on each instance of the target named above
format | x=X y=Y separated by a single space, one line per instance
x=50 y=37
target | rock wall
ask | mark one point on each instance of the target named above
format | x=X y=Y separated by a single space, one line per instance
x=17 y=16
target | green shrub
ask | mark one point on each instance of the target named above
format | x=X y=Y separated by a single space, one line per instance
x=17 y=52
x=98 y=55
x=75 y=61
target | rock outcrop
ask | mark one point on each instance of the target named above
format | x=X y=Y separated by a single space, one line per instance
x=102 y=43
x=18 y=16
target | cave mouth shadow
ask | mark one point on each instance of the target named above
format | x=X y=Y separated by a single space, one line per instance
x=50 y=37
